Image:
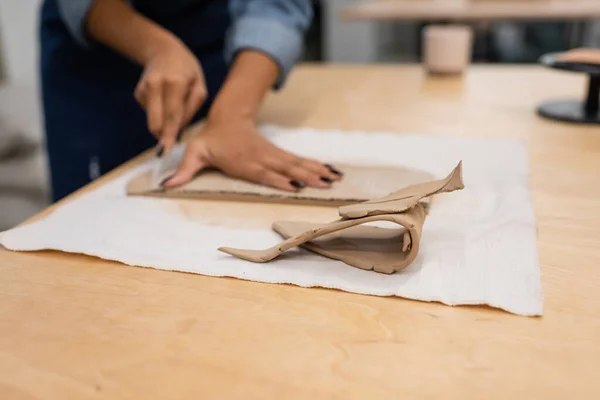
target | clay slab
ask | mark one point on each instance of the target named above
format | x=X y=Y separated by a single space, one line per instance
x=360 y=183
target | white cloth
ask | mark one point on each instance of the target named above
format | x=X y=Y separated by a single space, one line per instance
x=478 y=245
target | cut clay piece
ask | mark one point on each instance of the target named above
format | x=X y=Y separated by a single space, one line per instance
x=359 y=183
x=367 y=247
x=406 y=198
x=581 y=55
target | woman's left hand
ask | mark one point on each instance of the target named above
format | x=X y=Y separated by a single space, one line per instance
x=239 y=150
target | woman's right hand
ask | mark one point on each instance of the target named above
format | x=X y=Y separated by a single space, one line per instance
x=172 y=86
x=171 y=90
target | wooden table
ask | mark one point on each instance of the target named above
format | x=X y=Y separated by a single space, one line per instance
x=74 y=327
x=466 y=10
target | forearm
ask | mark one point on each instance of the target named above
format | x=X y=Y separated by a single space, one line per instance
x=117 y=25
x=274 y=27
x=251 y=77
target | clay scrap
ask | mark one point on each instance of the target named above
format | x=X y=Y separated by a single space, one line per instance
x=374 y=248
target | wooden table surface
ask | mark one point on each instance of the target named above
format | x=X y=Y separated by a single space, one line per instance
x=472 y=10
x=74 y=327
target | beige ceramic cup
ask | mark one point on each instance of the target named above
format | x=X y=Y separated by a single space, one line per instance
x=447 y=49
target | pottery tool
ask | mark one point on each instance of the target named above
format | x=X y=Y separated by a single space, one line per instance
x=157 y=166
x=587 y=110
x=164 y=163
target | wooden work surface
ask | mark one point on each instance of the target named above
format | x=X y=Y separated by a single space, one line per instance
x=472 y=10
x=74 y=327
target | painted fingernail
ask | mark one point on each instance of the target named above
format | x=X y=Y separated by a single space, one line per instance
x=162 y=183
x=326 y=180
x=160 y=150
x=333 y=170
x=297 y=184
x=179 y=135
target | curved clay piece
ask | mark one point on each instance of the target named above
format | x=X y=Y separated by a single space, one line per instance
x=365 y=247
x=406 y=198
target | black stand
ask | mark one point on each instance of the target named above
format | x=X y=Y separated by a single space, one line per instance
x=575 y=111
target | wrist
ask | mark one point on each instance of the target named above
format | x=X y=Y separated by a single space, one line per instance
x=157 y=44
x=223 y=111
x=251 y=76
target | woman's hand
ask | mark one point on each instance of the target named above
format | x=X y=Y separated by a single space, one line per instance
x=172 y=86
x=239 y=150
x=231 y=143
x=171 y=90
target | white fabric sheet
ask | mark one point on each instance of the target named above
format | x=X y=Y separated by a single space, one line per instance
x=478 y=244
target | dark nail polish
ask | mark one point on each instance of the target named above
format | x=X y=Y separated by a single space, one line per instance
x=333 y=170
x=297 y=185
x=160 y=151
x=179 y=135
x=162 y=183
x=326 y=180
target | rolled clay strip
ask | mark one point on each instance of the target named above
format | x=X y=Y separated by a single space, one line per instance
x=365 y=247
x=406 y=198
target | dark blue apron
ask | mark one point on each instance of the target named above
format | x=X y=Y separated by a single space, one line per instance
x=92 y=121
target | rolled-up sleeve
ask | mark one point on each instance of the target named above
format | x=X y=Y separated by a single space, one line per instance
x=74 y=13
x=273 y=27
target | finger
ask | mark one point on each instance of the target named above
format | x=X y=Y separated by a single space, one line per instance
x=195 y=99
x=326 y=171
x=174 y=100
x=295 y=172
x=140 y=94
x=189 y=166
x=334 y=170
x=294 y=164
x=153 y=102
x=266 y=176
x=307 y=177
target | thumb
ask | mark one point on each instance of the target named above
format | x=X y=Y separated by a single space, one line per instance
x=192 y=162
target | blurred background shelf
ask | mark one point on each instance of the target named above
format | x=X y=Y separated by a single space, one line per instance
x=467 y=10
x=365 y=31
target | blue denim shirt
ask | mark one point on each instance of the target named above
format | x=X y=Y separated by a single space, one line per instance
x=274 y=27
